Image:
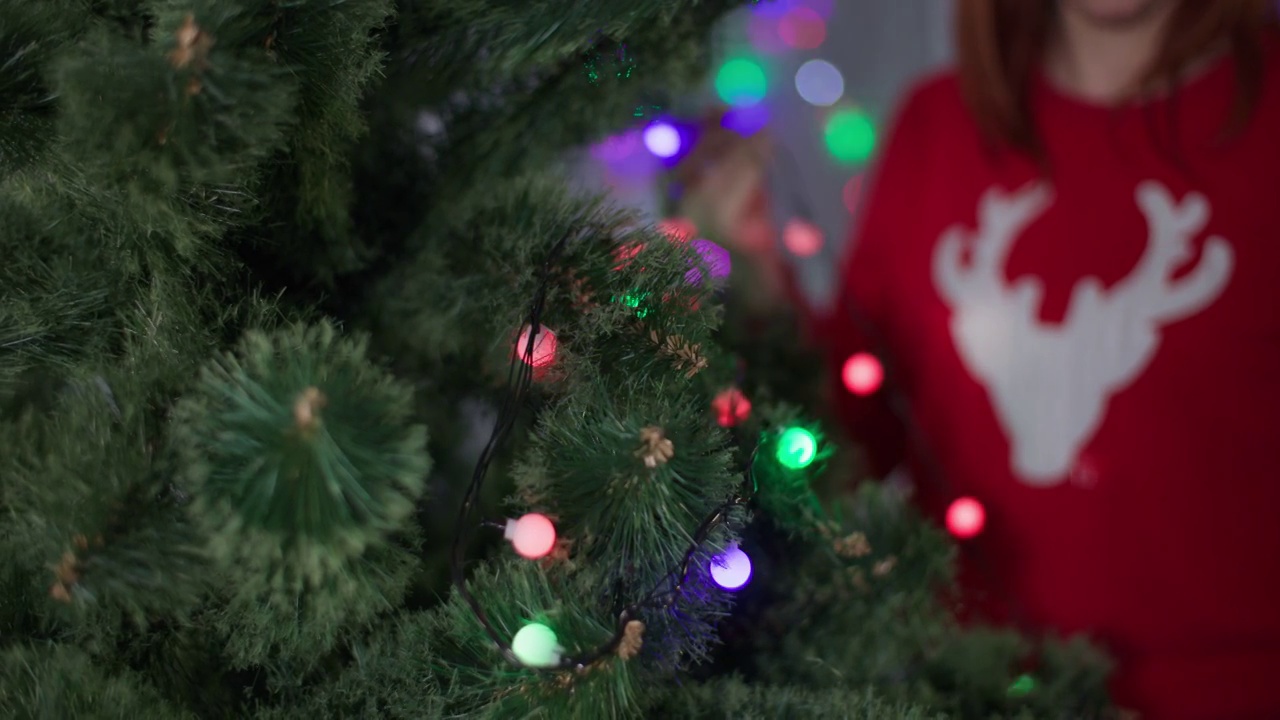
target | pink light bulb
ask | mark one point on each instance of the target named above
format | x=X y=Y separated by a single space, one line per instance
x=966 y=518
x=802 y=29
x=533 y=536
x=544 y=347
x=803 y=239
x=862 y=374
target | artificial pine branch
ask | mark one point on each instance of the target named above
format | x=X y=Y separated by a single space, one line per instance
x=48 y=680
x=685 y=356
x=189 y=531
x=299 y=454
x=656 y=449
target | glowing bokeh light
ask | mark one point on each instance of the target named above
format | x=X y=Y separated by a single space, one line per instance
x=731 y=569
x=678 y=229
x=533 y=535
x=741 y=82
x=852 y=193
x=1022 y=686
x=850 y=136
x=714 y=257
x=536 y=645
x=635 y=301
x=662 y=139
x=773 y=8
x=819 y=83
x=625 y=253
x=731 y=407
x=797 y=448
x=862 y=374
x=625 y=162
x=965 y=518
x=747 y=120
x=633 y=176
x=802 y=29
x=616 y=148
x=544 y=347
x=802 y=239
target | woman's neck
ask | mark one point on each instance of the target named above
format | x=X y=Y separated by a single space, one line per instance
x=1100 y=62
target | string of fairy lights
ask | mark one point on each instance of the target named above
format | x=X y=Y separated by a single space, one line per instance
x=533 y=536
x=744 y=82
x=869 y=373
x=850 y=135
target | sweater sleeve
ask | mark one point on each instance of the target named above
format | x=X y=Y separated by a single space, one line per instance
x=857 y=320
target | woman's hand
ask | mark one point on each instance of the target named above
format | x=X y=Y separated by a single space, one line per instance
x=724 y=194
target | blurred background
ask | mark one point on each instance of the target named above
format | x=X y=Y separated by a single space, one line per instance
x=782 y=132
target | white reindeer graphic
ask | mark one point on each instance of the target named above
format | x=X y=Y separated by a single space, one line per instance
x=1050 y=383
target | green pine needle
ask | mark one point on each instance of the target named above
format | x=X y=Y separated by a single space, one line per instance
x=43 y=680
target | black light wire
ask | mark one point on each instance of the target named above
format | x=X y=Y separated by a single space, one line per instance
x=520 y=376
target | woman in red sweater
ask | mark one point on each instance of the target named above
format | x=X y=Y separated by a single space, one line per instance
x=1069 y=261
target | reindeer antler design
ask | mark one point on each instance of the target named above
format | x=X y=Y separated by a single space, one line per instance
x=1001 y=219
x=1049 y=383
x=1172 y=228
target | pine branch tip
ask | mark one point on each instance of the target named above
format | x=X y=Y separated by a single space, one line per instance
x=632 y=640
x=306 y=410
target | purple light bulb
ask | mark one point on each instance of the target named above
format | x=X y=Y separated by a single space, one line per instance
x=731 y=569
x=617 y=148
x=662 y=139
x=716 y=259
x=746 y=121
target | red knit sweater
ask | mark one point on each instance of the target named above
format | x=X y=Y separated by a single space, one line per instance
x=1095 y=356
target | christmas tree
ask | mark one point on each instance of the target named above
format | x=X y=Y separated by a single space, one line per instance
x=254 y=249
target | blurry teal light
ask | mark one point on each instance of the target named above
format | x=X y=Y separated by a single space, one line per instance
x=741 y=82
x=850 y=136
x=1022 y=686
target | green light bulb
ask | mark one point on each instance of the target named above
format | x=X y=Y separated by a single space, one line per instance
x=1022 y=686
x=635 y=300
x=850 y=136
x=741 y=82
x=797 y=448
x=536 y=646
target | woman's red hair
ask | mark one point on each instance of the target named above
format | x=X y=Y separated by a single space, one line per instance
x=1000 y=43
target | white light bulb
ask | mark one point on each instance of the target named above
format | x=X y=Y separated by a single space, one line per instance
x=819 y=83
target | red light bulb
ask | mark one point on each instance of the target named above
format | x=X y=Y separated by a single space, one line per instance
x=624 y=253
x=965 y=518
x=678 y=229
x=862 y=374
x=731 y=407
